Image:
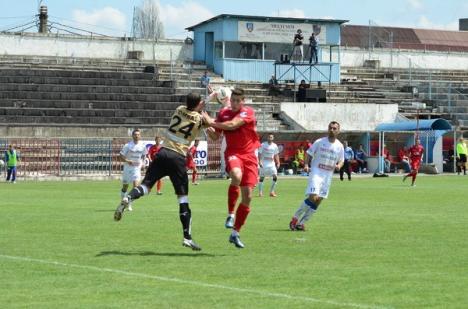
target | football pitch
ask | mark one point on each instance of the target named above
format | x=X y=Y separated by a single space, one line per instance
x=375 y=243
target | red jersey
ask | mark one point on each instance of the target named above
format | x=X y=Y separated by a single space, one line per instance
x=153 y=151
x=243 y=140
x=416 y=152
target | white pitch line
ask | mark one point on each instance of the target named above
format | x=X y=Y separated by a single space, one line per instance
x=196 y=283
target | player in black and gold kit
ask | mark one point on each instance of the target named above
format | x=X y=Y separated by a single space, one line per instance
x=185 y=126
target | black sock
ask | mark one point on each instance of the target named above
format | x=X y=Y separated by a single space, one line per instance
x=186 y=219
x=136 y=193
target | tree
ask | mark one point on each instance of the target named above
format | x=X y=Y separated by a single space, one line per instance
x=146 y=21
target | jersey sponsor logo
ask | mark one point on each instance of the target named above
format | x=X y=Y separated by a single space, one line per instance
x=326 y=167
x=243 y=114
x=230 y=158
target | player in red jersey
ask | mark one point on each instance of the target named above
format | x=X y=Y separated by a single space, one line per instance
x=190 y=163
x=416 y=153
x=238 y=125
x=153 y=150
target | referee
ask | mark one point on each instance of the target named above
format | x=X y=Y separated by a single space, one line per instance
x=461 y=156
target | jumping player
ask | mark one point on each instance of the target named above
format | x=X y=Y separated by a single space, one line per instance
x=238 y=125
x=184 y=127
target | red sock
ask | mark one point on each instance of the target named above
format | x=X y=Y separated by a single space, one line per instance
x=233 y=195
x=414 y=176
x=194 y=177
x=241 y=216
x=159 y=185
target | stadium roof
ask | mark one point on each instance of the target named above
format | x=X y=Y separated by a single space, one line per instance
x=268 y=18
x=404 y=38
x=424 y=125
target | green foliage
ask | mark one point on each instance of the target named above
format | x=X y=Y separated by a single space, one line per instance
x=375 y=243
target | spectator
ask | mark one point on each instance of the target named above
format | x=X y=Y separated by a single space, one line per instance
x=299 y=157
x=11 y=160
x=387 y=161
x=273 y=86
x=348 y=157
x=301 y=91
x=313 y=43
x=360 y=155
x=205 y=82
x=403 y=157
x=298 y=51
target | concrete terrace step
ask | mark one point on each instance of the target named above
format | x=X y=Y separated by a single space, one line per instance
x=85 y=89
x=81 y=112
x=32 y=120
x=85 y=81
x=90 y=96
x=76 y=74
x=87 y=104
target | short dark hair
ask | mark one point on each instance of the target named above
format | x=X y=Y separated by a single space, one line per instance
x=135 y=130
x=334 y=122
x=238 y=92
x=192 y=100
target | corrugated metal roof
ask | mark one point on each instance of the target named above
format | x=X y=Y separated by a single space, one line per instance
x=268 y=18
x=404 y=38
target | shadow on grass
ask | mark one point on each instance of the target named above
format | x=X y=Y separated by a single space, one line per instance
x=104 y=210
x=151 y=253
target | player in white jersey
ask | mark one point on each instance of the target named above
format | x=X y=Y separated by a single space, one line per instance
x=268 y=156
x=132 y=154
x=322 y=158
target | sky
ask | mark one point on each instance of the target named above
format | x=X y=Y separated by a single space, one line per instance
x=114 y=17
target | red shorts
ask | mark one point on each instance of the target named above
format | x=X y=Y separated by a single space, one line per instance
x=190 y=165
x=415 y=165
x=248 y=164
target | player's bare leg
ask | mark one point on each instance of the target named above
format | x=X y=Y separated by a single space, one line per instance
x=233 y=196
x=241 y=216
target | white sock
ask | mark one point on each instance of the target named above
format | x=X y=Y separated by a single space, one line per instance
x=123 y=194
x=260 y=187
x=303 y=208
x=234 y=233
x=273 y=186
x=307 y=215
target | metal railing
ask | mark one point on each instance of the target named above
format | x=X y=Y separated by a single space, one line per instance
x=67 y=157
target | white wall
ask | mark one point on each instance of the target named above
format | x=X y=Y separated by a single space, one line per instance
x=353 y=57
x=32 y=44
x=351 y=116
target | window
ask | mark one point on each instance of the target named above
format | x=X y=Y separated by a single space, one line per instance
x=244 y=50
x=218 y=50
x=273 y=51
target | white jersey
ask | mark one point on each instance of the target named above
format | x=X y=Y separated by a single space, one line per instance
x=325 y=156
x=268 y=153
x=135 y=153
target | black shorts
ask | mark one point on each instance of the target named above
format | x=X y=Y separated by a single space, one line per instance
x=462 y=158
x=168 y=163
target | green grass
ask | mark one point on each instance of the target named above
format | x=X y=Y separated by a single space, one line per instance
x=373 y=243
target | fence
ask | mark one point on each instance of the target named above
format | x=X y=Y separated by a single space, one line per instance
x=67 y=157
